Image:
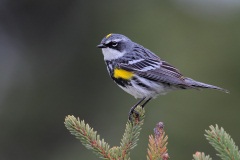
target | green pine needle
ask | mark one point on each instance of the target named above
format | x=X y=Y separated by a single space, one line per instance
x=87 y=136
x=132 y=131
x=92 y=141
x=223 y=143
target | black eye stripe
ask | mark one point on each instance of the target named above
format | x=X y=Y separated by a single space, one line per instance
x=112 y=44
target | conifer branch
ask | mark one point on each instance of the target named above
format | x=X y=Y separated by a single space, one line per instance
x=87 y=136
x=132 y=131
x=92 y=141
x=223 y=143
x=201 y=156
x=157 y=146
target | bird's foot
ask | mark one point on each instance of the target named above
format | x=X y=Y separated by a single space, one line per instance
x=133 y=113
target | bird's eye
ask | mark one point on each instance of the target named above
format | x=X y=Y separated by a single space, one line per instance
x=114 y=44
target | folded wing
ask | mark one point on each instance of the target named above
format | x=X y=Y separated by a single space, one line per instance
x=155 y=70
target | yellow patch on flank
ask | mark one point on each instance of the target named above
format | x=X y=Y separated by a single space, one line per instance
x=121 y=73
x=108 y=35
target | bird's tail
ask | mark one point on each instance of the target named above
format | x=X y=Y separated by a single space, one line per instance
x=196 y=84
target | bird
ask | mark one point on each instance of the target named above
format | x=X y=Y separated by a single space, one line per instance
x=140 y=72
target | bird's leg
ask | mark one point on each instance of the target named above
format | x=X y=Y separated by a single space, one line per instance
x=132 y=110
x=146 y=102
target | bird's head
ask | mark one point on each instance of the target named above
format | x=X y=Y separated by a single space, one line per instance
x=115 y=46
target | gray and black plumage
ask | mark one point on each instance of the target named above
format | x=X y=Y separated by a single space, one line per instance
x=140 y=72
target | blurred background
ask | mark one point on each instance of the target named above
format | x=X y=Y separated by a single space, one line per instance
x=50 y=68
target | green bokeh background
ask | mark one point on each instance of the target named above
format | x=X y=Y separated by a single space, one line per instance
x=50 y=67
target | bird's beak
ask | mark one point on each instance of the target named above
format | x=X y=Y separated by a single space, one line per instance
x=101 y=46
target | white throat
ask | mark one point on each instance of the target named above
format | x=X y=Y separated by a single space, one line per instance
x=110 y=54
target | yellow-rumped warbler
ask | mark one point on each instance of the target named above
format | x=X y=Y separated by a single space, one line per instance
x=140 y=72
